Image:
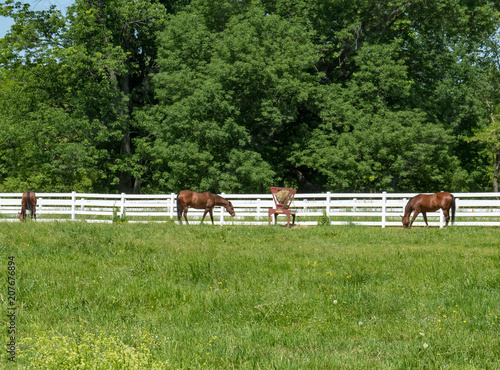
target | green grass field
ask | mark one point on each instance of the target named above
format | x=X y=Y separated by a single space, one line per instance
x=169 y=296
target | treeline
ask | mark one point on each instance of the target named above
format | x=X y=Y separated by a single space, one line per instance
x=237 y=95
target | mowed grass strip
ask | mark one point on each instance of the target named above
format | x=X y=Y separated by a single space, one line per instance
x=254 y=297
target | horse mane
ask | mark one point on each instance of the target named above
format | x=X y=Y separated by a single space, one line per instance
x=410 y=204
x=221 y=198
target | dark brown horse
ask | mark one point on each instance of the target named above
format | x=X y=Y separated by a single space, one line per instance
x=206 y=201
x=28 y=202
x=424 y=203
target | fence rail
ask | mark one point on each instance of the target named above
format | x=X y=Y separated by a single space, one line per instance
x=377 y=209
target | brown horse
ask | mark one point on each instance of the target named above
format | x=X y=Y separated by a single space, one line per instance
x=206 y=201
x=424 y=203
x=28 y=202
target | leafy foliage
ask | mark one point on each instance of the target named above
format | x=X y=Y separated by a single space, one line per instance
x=50 y=350
x=235 y=96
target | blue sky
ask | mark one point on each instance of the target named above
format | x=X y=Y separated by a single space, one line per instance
x=6 y=23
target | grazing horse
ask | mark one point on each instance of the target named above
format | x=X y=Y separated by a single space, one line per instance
x=28 y=202
x=424 y=203
x=206 y=201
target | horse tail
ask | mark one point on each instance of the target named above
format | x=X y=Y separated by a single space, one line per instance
x=453 y=207
x=179 y=210
x=28 y=201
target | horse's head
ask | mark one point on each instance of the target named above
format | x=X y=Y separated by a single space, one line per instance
x=406 y=221
x=230 y=209
x=21 y=216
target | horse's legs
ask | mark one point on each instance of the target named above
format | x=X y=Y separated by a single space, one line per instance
x=425 y=219
x=415 y=214
x=446 y=213
x=209 y=211
x=185 y=211
x=204 y=214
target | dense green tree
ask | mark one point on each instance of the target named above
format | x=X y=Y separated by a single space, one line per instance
x=231 y=101
x=406 y=57
x=43 y=146
x=488 y=137
x=93 y=68
x=237 y=95
x=340 y=95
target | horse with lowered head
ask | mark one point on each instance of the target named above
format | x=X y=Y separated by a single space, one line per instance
x=423 y=203
x=28 y=202
x=206 y=201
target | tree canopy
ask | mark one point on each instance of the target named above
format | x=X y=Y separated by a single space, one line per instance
x=238 y=95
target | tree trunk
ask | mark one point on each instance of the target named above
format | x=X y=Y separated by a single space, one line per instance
x=122 y=85
x=126 y=181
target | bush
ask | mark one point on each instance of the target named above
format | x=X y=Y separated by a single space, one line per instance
x=324 y=220
x=118 y=219
x=87 y=351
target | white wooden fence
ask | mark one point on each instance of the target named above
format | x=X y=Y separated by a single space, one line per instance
x=378 y=209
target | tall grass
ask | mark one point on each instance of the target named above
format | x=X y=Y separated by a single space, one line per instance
x=254 y=297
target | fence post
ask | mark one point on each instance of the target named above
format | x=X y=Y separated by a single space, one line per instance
x=384 y=208
x=328 y=200
x=122 y=205
x=259 y=209
x=441 y=219
x=172 y=205
x=73 y=205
